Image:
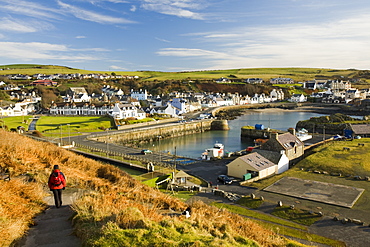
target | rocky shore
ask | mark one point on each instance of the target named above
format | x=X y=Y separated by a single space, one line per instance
x=230 y=113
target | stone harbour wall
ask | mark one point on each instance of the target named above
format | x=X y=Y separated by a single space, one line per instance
x=154 y=133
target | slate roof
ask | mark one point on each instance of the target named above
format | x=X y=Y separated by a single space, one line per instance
x=288 y=141
x=257 y=161
x=361 y=129
x=272 y=156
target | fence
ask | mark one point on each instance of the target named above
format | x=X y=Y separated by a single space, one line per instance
x=123 y=156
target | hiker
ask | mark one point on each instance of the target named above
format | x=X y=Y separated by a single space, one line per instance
x=57 y=183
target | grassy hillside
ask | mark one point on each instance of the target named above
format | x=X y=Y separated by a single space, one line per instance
x=298 y=74
x=117 y=210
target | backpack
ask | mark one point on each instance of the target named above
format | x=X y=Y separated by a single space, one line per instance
x=56 y=179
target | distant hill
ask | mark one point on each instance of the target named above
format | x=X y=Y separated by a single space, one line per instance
x=298 y=74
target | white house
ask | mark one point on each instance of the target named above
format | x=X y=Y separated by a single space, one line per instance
x=165 y=110
x=139 y=95
x=281 y=81
x=276 y=95
x=123 y=111
x=352 y=94
x=223 y=80
x=77 y=94
x=180 y=104
x=298 y=98
x=18 y=109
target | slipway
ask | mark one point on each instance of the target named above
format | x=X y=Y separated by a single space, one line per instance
x=335 y=194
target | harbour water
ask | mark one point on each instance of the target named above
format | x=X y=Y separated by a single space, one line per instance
x=193 y=145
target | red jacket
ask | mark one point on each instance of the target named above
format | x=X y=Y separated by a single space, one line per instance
x=61 y=186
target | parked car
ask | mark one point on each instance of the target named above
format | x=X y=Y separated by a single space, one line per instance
x=224 y=179
x=146 y=151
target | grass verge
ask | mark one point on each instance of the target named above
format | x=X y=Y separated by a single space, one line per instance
x=280 y=226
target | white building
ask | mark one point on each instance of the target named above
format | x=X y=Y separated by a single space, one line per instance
x=139 y=95
x=80 y=108
x=298 y=98
x=123 y=111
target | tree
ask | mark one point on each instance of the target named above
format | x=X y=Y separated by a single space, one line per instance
x=4 y=95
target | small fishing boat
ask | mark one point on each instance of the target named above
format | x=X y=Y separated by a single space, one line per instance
x=217 y=151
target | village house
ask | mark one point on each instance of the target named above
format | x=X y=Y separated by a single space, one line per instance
x=254 y=80
x=276 y=95
x=223 y=80
x=44 y=83
x=297 y=98
x=123 y=111
x=287 y=142
x=167 y=110
x=76 y=94
x=18 y=109
x=139 y=95
x=352 y=94
x=281 y=81
x=180 y=104
x=339 y=85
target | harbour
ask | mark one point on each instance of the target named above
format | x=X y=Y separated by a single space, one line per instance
x=194 y=145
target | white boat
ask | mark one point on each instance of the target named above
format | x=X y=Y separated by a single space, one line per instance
x=303 y=135
x=217 y=151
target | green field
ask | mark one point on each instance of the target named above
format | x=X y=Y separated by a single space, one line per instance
x=332 y=159
x=54 y=126
x=14 y=122
x=298 y=74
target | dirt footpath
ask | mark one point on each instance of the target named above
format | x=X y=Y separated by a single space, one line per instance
x=53 y=228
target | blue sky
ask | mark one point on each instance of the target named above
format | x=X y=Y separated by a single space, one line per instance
x=182 y=35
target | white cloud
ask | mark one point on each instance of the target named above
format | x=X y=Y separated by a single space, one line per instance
x=114 y=67
x=8 y=24
x=339 y=44
x=37 y=50
x=163 y=40
x=92 y=16
x=184 y=52
x=180 y=8
x=133 y=8
x=80 y=37
x=28 y=8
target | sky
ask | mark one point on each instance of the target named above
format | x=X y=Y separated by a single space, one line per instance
x=186 y=35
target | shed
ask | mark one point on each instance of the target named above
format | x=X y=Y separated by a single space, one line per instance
x=362 y=130
x=254 y=163
x=181 y=177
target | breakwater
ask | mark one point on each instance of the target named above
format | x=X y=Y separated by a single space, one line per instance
x=136 y=136
x=250 y=132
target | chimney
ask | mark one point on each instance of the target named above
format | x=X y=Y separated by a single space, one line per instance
x=291 y=131
x=274 y=135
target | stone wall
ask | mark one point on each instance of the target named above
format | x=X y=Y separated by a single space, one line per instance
x=154 y=133
x=252 y=133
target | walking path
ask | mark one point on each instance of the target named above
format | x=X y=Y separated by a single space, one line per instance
x=53 y=228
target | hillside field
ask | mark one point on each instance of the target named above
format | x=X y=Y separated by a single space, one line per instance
x=116 y=209
x=298 y=74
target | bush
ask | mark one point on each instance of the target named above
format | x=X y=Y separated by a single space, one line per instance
x=37 y=133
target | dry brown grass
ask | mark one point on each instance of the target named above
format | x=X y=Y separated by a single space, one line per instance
x=114 y=201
